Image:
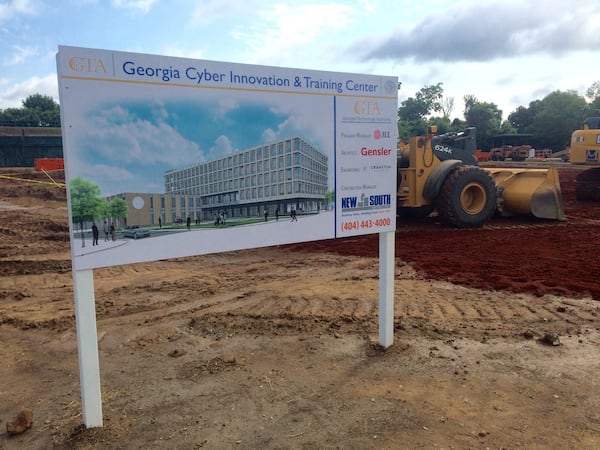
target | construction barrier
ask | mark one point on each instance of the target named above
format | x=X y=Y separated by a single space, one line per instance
x=45 y=164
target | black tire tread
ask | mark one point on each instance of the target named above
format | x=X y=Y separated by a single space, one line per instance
x=448 y=201
x=587 y=185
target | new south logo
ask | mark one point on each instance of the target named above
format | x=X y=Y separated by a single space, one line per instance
x=367 y=202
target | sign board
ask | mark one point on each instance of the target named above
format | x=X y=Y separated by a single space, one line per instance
x=209 y=156
x=156 y=148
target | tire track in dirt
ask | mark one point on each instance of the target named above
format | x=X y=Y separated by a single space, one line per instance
x=315 y=292
x=510 y=314
x=441 y=306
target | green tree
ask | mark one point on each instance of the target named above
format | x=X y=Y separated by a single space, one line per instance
x=522 y=118
x=15 y=116
x=329 y=198
x=404 y=130
x=484 y=116
x=443 y=124
x=507 y=128
x=86 y=202
x=413 y=128
x=104 y=209
x=593 y=95
x=558 y=115
x=413 y=111
x=37 y=111
x=117 y=208
x=593 y=92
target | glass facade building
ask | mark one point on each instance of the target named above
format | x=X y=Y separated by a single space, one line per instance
x=282 y=175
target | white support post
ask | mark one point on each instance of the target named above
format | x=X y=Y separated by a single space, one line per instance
x=386 y=288
x=87 y=346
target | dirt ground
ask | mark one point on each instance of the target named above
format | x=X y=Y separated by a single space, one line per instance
x=497 y=338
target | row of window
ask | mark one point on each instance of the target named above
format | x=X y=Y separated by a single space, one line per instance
x=194 y=188
x=263 y=193
x=256 y=154
x=267 y=157
x=186 y=177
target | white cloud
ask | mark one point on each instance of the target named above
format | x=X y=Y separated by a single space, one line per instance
x=122 y=137
x=142 y=6
x=223 y=146
x=177 y=51
x=108 y=174
x=16 y=93
x=283 y=32
x=211 y=11
x=20 y=54
x=114 y=179
x=226 y=104
x=486 y=31
x=9 y=10
x=269 y=136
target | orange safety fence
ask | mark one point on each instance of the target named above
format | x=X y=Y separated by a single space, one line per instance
x=45 y=164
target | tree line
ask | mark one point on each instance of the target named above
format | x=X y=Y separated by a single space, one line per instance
x=550 y=121
x=37 y=110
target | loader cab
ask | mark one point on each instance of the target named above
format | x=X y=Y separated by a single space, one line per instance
x=456 y=145
x=585 y=143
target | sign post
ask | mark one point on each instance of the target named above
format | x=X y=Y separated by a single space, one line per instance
x=87 y=346
x=387 y=243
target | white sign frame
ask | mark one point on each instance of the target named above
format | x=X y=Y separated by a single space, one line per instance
x=354 y=118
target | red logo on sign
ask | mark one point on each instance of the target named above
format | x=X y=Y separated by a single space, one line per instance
x=377 y=134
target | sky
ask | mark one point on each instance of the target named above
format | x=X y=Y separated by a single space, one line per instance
x=501 y=51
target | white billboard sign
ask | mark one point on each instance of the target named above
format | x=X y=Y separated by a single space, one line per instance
x=169 y=157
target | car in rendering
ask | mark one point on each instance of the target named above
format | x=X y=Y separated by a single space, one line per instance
x=136 y=232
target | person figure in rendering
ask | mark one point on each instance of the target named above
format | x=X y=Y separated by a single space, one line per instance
x=188 y=222
x=293 y=215
x=266 y=214
x=277 y=214
x=94 y=234
x=113 y=234
x=105 y=229
x=159 y=222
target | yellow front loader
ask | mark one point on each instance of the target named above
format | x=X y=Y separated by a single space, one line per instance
x=441 y=173
x=585 y=150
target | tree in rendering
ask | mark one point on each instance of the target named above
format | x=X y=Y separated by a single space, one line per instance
x=86 y=202
x=117 y=208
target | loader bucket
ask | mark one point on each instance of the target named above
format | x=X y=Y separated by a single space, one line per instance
x=533 y=192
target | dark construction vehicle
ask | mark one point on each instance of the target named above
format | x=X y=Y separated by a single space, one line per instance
x=441 y=173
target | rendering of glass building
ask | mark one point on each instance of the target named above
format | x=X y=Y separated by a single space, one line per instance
x=279 y=176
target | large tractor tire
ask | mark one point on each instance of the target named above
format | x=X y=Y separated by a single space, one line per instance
x=467 y=198
x=587 y=185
